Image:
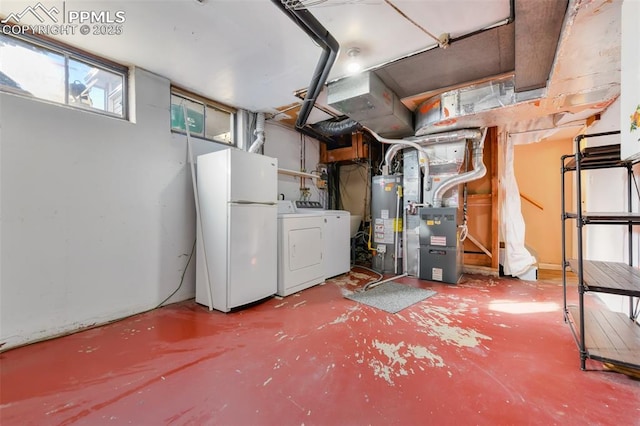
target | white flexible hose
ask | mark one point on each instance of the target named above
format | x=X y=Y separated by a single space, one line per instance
x=423 y=157
x=464 y=231
x=259 y=132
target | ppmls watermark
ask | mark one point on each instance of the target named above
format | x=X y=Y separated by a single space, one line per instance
x=64 y=21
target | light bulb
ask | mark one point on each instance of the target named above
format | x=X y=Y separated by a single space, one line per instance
x=353 y=64
x=353 y=67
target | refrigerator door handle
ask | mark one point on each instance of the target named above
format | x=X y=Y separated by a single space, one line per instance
x=245 y=202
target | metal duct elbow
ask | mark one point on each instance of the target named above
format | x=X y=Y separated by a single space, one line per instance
x=393 y=150
x=479 y=170
x=336 y=128
x=390 y=155
x=401 y=144
x=259 y=132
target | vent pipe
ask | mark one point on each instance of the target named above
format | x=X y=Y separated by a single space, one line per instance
x=259 y=132
x=402 y=143
x=419 y=141
x=337 y=128
x=478 y=171
x=330 y=47
x=423 y=160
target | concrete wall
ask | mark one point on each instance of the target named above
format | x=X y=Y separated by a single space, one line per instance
x=287 y=146
x=98 y=217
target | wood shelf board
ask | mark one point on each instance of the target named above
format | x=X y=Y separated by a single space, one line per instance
x=598 y=157
x=609 y=336
x=609 y=277
x=607 y=217
x=601 y=164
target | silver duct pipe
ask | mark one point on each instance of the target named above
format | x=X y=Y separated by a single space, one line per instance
x=259 y=132
x=423 y=160
x=403 y=143
x=432 y=139
x=478 y=171
x=452 y=136
x=391 y=153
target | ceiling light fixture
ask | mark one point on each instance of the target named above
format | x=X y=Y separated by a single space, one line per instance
x=353 y=63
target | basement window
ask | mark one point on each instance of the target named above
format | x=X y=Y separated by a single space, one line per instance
x=206 y=119
x=45 y=70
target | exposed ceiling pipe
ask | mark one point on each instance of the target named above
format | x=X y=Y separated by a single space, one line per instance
x=420 y=141
x=330 y=47
x=391 y=153
x=423 y=160
x=452 y=136
x=337 y=128
x=479 y=170
x=422 y=154
x=259 y=132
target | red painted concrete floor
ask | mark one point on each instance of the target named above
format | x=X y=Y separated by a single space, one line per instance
x=485 y=352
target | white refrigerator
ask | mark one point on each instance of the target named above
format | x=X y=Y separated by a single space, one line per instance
x=237 y=243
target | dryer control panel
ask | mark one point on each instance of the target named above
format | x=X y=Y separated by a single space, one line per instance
x=309 y=205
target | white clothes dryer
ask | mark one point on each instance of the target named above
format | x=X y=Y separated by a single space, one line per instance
x=337 y=237
x=300 y=249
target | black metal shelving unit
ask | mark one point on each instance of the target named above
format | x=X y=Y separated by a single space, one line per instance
x=602 y=335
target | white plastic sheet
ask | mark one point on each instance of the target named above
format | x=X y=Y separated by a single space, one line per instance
x=517 y=258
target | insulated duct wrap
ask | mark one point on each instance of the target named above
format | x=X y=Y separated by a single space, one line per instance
x=471 y=100
x=445 y=162
x=478 y=171
x=337 y=128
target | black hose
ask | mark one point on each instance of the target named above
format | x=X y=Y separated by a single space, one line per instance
x=330 y=47
x=337 y=128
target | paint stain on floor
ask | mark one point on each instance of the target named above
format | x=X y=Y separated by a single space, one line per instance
x=464 y=355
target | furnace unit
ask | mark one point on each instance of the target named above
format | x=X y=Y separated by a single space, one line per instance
x=440 y=245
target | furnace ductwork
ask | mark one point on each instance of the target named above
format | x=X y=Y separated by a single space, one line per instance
x=403 y=143
x=337 y=128
x=479 y=169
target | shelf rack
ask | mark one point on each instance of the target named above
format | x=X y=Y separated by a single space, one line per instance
x=602 y=335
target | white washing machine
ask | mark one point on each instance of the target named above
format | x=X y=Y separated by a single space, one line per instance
x=337 y=237
x=300 y=249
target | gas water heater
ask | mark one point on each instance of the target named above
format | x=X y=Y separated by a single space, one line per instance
x=386 y=215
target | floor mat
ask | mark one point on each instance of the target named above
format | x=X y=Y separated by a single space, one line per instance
x=391 y=296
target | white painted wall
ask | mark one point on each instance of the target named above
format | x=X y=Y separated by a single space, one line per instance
x=606 y=190
x=98 y=216
x=285 y=144
x=630 y=81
